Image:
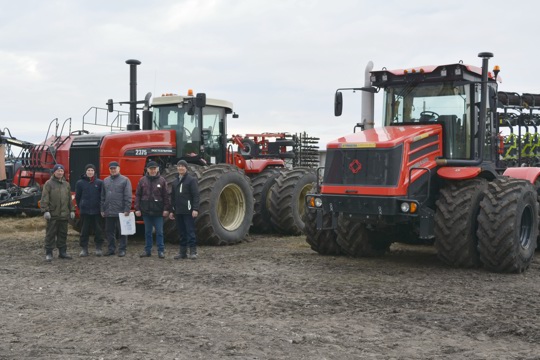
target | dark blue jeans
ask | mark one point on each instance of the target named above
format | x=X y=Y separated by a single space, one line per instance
x=151 y=222
x=185 y=223
x=112 y=228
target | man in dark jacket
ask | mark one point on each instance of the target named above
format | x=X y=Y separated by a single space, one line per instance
x=88 y=198
x=152 y=201
x=185 y=205
x=57 y=208
x=115 y=199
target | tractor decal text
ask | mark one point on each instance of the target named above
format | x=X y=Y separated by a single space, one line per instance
x=150 y=151
x=358 y=145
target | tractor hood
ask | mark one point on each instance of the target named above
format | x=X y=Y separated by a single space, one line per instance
x=384 y=137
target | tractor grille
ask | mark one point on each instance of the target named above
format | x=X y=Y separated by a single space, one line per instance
x=84 y=150
x=367 y=167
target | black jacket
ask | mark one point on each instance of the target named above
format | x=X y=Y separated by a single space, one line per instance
x=185 y=194
x=88 y=195
x=151 y=196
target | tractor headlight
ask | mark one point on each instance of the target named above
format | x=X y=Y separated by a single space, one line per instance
x=405 y=207
x=409 y=207
x=314 y=202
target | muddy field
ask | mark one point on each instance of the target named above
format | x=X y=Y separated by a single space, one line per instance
x=268 y=298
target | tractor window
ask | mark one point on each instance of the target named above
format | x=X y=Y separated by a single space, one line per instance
x=167 y=117
x=191 y=133
x=176 y=118
x=445 y=103
x=211 y=137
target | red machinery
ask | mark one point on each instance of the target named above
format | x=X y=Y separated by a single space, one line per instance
x=433 y=172
x=192 y=128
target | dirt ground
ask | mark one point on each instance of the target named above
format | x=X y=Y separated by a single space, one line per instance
x=268 y=298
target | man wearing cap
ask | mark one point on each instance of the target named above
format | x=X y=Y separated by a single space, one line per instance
x=57 y=208
x=88 y=198
x=152 y=202
x=185 y=208
x=115 y=199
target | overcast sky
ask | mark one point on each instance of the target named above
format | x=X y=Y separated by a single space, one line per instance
x=279 y=62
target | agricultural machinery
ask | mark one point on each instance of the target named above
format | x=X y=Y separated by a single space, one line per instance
x=255 y=181
x=19 y=188
x=452 y=164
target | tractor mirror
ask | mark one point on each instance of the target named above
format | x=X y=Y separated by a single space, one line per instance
x=110 y=106
x=147 y=120
x=190 y=109
x=147 y=101
x=200 y=100
x=338 y=103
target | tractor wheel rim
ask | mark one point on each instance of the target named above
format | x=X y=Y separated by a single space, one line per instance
x=526 y=228
x=301 y=199
x=231 y=207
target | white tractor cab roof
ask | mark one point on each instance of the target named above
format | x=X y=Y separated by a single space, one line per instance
x=167 y=99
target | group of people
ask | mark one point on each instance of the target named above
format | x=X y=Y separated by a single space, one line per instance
x=111 y=198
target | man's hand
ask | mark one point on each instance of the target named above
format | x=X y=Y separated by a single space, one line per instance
x=138 y=213
x=165 y=213
x=194 y=213
x=126 y=213
x=72 y=215
x=171 y=216
x=47 y=216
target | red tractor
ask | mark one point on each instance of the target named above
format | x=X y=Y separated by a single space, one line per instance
x=436 y=171
x=249 y=187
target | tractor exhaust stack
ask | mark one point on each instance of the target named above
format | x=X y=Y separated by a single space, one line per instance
x=133 y=125
x=368 y=100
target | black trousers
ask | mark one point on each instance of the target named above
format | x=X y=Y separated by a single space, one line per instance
x=91 y=223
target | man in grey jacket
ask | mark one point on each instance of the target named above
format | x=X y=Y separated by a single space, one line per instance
x=115 y=199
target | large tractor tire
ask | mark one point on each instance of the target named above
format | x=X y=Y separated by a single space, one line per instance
x=537 y=189
x=357 y=240
x=456 y=222
x=321 y=241
x=226 y=206
x=508 y=225
x=262 y=184
x=287 y=200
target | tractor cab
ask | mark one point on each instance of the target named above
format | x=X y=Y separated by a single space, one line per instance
x=200 y=125
x=449 y=95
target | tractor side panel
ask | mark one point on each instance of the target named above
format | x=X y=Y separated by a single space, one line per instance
x=132 y=149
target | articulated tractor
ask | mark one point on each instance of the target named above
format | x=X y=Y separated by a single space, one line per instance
x=454 y=164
